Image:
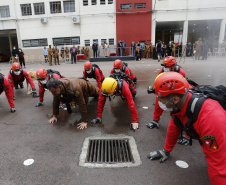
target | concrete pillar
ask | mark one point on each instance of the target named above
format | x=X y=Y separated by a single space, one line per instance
x=153 y=30
x=222 y=32
x=10 y=43
x=185 y=36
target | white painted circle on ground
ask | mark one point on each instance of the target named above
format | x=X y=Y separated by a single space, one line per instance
x=145 y=107
x=181 y=164
x=28 y=162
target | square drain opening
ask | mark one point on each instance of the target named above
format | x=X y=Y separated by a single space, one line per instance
x=109 y=151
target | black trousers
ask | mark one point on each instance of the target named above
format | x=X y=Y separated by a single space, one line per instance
x=21 y=59
x=95 y=53
x=73 y=58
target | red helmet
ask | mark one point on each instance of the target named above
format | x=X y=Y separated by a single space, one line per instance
x=88 y=66
x=170 y=82
x=117 y=64
x=41 y=74
x=169 y=61
x=16 y=66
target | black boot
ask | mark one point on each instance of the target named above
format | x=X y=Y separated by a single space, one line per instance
x=21 y=86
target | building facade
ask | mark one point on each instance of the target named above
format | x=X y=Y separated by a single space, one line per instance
x=190 y=20
x=31 y=25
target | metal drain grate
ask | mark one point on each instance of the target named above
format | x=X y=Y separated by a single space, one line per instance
x=109 y=151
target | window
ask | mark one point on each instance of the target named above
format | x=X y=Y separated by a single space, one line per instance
x=35 y=43
x=26 y=9
x=66 y=41
x=4 y=11
x=102 y=1
x=111 y=41
x=110 y=1
x=139 y=5
x=87 y=42
x=39 y=8
x=95 y=40
x=103 y=40
x=85 y=3
x=69 y=6
x=55 y=7
x=94 y=2
x=126 y=6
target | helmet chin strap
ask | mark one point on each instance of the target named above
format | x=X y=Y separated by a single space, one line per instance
x=176 y=107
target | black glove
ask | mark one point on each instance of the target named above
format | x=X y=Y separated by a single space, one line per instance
x=34 y=94
x=153 y=124
x=151 y=89
x=183 y=140
x=39 y=104
x=13 y=110
x=96 y=120
x=160 y=154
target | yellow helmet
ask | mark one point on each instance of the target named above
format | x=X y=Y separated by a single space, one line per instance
x=108 y=86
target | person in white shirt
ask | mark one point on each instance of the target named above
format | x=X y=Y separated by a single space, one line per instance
x=45 y=53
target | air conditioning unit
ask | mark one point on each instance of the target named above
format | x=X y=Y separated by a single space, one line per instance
x=76 y=19
x=44 y=20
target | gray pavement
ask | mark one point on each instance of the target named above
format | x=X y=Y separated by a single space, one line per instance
x=56 y=148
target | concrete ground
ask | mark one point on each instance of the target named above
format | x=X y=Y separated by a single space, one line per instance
x=56 y=148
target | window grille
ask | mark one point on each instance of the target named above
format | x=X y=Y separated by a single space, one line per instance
x=103 y=40
x=126 y=6
x=111 y=41
x=87 y=42
x=69 y=6
x=4 y=11
x=66 y=41
x=139 y=5
x=110 y=1
x=35 y=43
x=55 y=7
x=102 y=2
x=39 y=8
x=85 y=3
x=26 y=9
x=95 y=40
x=94 y=2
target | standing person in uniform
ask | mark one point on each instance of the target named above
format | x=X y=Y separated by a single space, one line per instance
x=198 y=45
x=83 y=50
x=111 y=87
x=45 y=53
x=16 y=77
x=50 y=55
x=173 y=49
x=169 y=64
x=152 y=49
x=119 y=48
x=145 y=51
x=138 y=53
x=21 y=58
x=73 y=52
x=172 y=92
x=5 y=86
x=15 y=54
x=70 y=90
x=163 y=49
x=133 y=48
x=93 y=71
x=149 y=51
x=159 y=49
x=56 y=55
x=87 y=52
x=78 y=50
x=67 y=54
x=169 y=48
x=62 y=53
x=95 y=48
x=43 y=76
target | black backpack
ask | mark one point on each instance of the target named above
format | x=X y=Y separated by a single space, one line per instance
x=51 y=71
x=199 y=95
x=1 y=83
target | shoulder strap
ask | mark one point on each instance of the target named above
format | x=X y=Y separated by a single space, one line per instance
x=177 y=68
x=1 y=79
